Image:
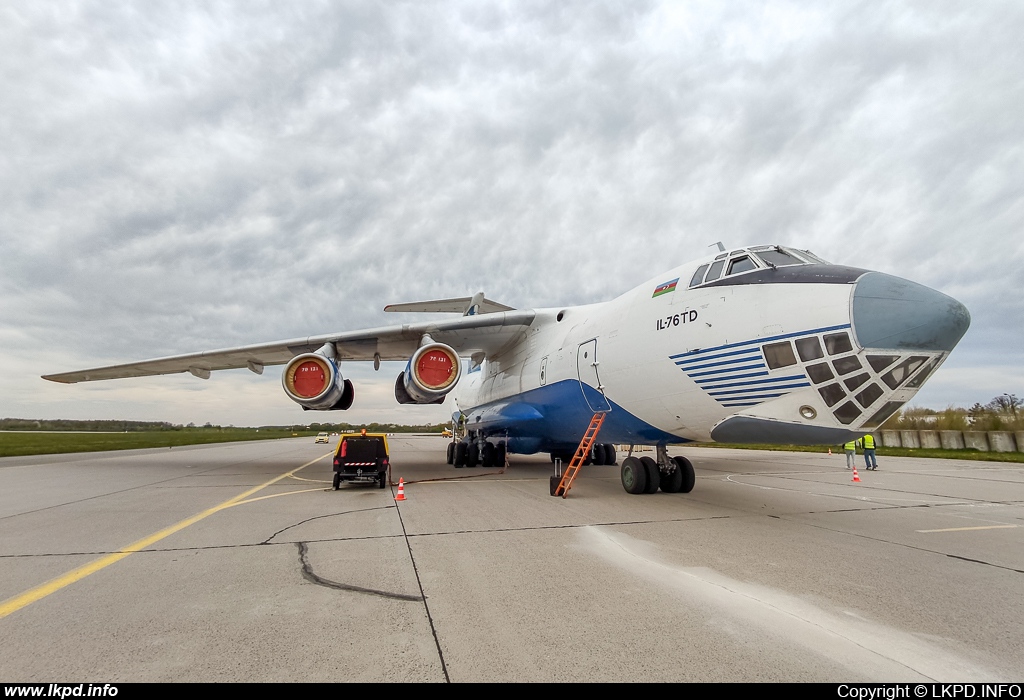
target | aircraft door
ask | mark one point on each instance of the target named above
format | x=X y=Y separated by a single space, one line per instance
x=587 y=368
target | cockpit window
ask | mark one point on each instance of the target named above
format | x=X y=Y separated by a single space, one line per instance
x=778 y=257
x=754 y=258
x=808 y=255
x=698 y=276
x=716 y=271
x=737 y=265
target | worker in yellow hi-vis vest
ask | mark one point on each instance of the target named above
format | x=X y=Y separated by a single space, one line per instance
x=851 y=453
x=868 y=443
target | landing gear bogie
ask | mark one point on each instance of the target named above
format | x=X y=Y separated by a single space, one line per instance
x=634 y=475
x=653 y=474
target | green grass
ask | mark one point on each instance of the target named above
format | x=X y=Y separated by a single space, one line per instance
x=39 y=443
x=882 y=452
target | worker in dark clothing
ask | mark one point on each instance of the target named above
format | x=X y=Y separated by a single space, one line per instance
x=868 y=443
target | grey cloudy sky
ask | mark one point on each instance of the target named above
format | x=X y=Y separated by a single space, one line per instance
x=187 y=176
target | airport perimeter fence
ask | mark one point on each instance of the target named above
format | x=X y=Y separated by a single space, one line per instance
x=993 y=441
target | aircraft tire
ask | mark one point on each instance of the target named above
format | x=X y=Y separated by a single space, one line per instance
x=501 y=455
x=487 y=455
x=653 y=474
x=609 y=454
x=472 y=455
x=597 y=455
x=451 y=453
x=633 y=475
x=672 y=483
x=460 y=454
x=689 y=478
x=337 y=480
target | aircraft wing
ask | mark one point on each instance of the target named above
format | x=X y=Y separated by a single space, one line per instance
x=468 y=335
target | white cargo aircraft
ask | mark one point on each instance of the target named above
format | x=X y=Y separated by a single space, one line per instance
x=764 y=344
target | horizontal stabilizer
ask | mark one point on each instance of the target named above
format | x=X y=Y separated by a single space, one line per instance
x=467 y=306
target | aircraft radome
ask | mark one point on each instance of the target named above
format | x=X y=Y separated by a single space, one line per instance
x=764 y=344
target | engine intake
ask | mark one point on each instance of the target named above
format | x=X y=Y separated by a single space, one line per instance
x=432 y=371
x=315 y=383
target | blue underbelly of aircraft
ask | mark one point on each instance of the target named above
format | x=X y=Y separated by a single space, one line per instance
x=554 y=417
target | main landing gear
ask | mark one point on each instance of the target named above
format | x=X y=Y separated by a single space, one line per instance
x=645 y=475
x=476 y=453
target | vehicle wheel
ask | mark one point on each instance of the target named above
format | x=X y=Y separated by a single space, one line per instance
x=461 y=449
x=382 y=480
x=672 y=483
x=609 y=454
x=451 y=453
x=487 y=456
x=472 y=455
x=555 y=481
x=633 y=475
x=653 y=474
x=689 y=478
x=597 y=455
x=501 y=455
x=337 y=480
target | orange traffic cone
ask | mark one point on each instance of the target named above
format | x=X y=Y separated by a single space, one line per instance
x=830 y=450
x=855 y=477
x=401 y=490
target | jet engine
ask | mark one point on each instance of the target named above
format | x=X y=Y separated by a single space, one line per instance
x=433 y=371
x=315 y=383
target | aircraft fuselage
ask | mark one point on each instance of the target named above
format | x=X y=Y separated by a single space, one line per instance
x=805 y=352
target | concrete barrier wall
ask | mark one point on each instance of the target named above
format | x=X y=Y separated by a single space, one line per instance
x=909 y=439
x=975 y=441
x=996 y=441
x=1002 y=442
x=951 y=439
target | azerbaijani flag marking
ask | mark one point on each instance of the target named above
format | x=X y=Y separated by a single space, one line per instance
x=665 y=288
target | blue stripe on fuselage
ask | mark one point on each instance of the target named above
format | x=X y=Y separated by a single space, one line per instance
x=554 y=417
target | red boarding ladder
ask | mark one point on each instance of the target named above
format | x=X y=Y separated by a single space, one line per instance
x=581 y=454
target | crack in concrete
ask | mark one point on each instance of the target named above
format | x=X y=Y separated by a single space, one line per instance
x=309 y=575
x=317 y=517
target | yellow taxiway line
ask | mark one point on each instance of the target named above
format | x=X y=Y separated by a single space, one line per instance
x=964 y=529
x=30 y=596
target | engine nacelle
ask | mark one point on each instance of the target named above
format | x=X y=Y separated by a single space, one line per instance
x=314 y=382
x=433 y=371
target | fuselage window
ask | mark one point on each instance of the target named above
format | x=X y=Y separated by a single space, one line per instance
x=698 y=276
x=832 y=394
x=779 y=355
x=809 y=349
x=869 y=395
x=716 y=271
x=847 y=413
x=737 y=265
x=845 y=365
x=883 y=414
x=837 y=343
x=899 y=374
x=819 y=373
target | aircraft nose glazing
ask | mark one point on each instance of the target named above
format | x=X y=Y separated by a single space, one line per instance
x=891 y=312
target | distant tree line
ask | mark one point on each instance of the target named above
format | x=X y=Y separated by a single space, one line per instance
x=134 y=426
x=99 y=426
x=1004 y=412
